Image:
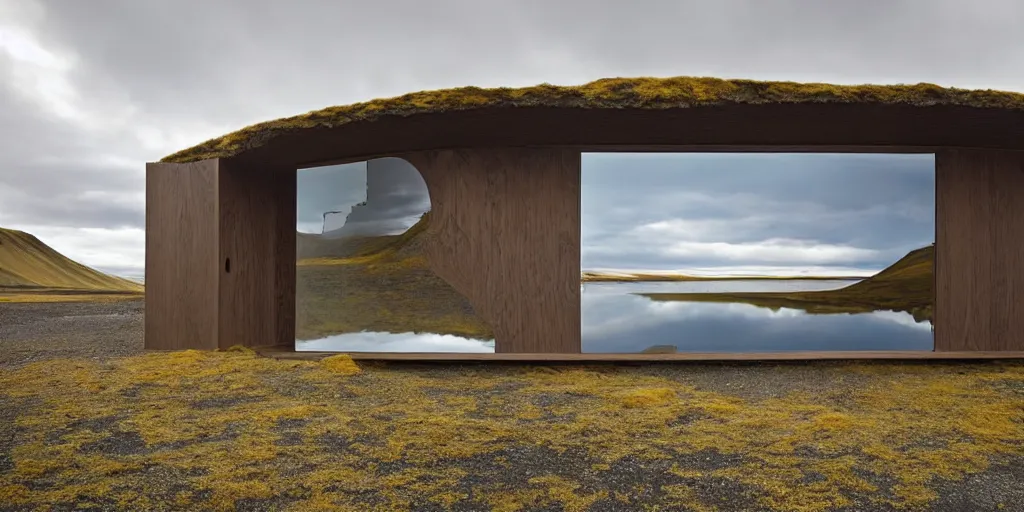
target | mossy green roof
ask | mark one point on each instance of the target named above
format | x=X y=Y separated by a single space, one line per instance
x=609 y=93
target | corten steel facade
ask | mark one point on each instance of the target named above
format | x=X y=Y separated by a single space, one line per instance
x=504 y=185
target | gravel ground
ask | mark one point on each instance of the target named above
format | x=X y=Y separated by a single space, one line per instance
x=46 y=330
x=104 y=332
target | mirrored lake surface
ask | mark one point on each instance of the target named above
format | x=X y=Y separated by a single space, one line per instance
x=395 y=342
x=615 y=320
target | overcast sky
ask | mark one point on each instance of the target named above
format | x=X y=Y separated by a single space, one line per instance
x=394 y=192
x=93 y=90
x=328 y=189
x=836 y=214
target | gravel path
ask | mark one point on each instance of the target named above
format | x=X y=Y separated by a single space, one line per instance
x=229 y=431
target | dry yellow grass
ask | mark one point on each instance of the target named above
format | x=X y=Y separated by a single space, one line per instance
x=609 y=93
x=31 y=270
x=207 y=429
x=50 y=296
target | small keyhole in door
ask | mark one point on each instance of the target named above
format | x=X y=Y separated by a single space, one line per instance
x=227 y=265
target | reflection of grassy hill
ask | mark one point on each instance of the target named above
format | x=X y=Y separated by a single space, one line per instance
x=29 y=267
x=309 y=246
x=382 y=284
x=906 y=285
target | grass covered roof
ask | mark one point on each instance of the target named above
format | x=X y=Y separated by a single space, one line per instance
x=608 y=93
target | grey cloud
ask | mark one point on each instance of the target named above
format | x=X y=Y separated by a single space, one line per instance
x=395 y=195
x=156 y=76
x=325 y=189
x=880 y=204
x=393 y=190
x=241 y=59
x=51 y=173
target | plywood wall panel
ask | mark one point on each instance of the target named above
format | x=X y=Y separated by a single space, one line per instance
x=809 y=124
x=505 y=233
x=181 y=255
x=285 y=218
x=257 y=255
x=1007 y=232
x=979 y=268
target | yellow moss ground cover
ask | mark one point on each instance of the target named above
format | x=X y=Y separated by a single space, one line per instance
x=200 y=430
x=644 y=92
x=62 y=296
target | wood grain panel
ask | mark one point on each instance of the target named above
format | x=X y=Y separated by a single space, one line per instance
x=181 y=255
x=505 y=233
x=1007 y=232
x=979 y=267
x=763 y=125
x=285 y=218
x=257 y=255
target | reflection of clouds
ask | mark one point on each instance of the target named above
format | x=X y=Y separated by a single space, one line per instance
x=396 y=196
x=394 y=342
x=901 y=318
x=621 y=322
x=747 y=270
x=692 y=209
x=775 y=250
x=394 y=193
x=772 y=251
x=613 y=314
x=311 y=228
x=329 y=188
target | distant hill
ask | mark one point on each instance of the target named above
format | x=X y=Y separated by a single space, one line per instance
x=310 y=246
x=910 y=277
x=907 y=285
x=27 y=264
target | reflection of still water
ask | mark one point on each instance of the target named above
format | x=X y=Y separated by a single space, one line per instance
x=394 y=342
x=616 y=321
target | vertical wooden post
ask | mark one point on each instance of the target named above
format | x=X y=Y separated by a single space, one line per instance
x=505 y=232
x=181 y=256
x=979 y=250
x=220 y=255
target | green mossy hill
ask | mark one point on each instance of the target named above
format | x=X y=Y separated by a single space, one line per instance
x=407 y=244
x=383 y=284
x=907 y=286
x=309 y=246
x=912 y=275
x=608 y=93
x=27 y=264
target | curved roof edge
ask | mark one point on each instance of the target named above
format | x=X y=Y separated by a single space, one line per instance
x=609 y=93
